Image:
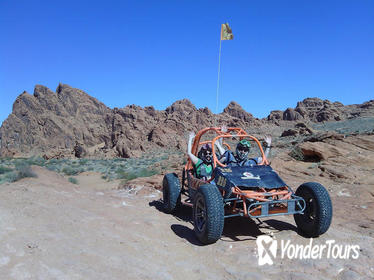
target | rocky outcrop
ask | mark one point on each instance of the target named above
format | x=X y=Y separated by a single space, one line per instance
x=47 y=121
x=318 y=110
x=316 y=151
x=236 y=111
x=275 y=115
x=291 y=115
x=71 y=123
x=299 y=129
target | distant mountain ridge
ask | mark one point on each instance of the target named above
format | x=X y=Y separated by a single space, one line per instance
x=69 y=122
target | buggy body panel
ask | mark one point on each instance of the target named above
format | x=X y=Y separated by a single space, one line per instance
x=248 y=177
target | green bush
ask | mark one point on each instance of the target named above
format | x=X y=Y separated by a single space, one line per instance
x=135 y=173
x=83 y=161
x=149 y=164
x=21 y=171
x=52 y=161
x=68 y=170
x=11 y=177
x=4 y=169
x=127 y=175
x=73 y=180
x=297 y=154
x=20 y=162
x=36 y=161
x=53 y=168
x=145 y=172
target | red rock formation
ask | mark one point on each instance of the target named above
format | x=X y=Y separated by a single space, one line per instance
x=52 y=123
x=317 y=110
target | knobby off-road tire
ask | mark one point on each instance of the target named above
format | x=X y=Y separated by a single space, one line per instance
x=317 y=215
x=208 y=214
x=171 y=190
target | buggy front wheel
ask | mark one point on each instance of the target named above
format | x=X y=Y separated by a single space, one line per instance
x=208 y=214
x=317 y=215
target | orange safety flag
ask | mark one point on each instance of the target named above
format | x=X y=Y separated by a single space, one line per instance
x=226 y=32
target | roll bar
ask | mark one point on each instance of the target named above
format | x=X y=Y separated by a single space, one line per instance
x=217 y=162
x=239 y=132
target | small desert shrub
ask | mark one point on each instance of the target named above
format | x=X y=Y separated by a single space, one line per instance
x=4 y=169
x=135 y=173
x=145 y=172
x=10 y=177
x=20 y=162
x=22 y=171
x=126 y=175
x=36 y=161
x=53 y=168
x=297 y=154
x=68 y=170
x=111 y=169
x=73 y=180
x=83 y=162
x=164 y=157
x=52 y=161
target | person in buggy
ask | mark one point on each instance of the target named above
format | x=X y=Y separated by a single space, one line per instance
x=240 y=158
x=203 y=161
x=203 y=165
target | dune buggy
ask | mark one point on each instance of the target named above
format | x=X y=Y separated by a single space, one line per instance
x=253 y=191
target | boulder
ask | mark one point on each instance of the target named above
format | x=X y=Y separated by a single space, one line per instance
x=291 y=115
x=275 y=115
x=289 y=132
x=317 y=151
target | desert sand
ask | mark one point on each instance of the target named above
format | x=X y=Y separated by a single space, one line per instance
x=52 y=229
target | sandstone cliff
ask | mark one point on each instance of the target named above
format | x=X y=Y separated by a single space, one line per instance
x=69 y=122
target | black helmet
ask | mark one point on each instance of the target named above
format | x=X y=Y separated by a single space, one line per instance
x=242 y=149
x=205 y=153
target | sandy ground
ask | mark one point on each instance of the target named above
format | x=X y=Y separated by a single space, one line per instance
x=52 y=229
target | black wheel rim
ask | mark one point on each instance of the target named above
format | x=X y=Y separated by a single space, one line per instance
x=200 y=214
x=310 y=214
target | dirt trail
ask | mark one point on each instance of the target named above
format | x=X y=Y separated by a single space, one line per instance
x=52 y=229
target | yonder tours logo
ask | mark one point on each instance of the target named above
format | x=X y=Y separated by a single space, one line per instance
x=267 y=248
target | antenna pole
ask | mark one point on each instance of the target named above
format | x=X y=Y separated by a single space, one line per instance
x=219 y=70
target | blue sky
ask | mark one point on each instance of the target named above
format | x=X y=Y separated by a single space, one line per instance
x=157 y=52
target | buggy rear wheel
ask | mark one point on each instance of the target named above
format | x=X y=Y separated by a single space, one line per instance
x=171 y=192
x=208 y=214
x=317 y=215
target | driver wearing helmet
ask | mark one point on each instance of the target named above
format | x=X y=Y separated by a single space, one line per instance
x=203 y=162
x=240 y=158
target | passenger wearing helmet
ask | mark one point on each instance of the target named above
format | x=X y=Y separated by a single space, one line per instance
x=240 y=158
x=203 y=162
